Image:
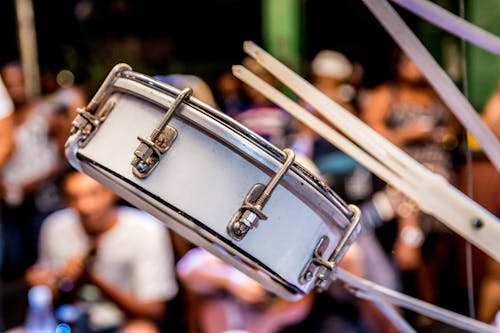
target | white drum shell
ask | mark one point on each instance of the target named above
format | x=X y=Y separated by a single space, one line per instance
x=202 y=180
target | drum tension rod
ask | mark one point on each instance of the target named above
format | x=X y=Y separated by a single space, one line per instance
x=321 y=268
x=85 y=125
x=90 y=117
x=148 y=153
x=250 y=213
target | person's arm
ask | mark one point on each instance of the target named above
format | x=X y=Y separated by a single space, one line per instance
x=489 y=292
x=131 y=305
x=78 y=269
x=44 y=270
x=491 y=114
x=203 y=273
x=374 y=112
x=77 y=272
x=152 y=272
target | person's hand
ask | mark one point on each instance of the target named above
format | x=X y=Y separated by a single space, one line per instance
x=41 y=274
x=75 y=267
x=245 y=288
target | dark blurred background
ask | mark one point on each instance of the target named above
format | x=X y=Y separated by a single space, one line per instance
x=205 y=37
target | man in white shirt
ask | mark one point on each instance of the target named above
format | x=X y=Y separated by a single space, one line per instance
x=119 y=258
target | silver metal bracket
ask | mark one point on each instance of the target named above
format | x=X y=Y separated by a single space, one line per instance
x=148 y=153
x=316 y=261
x=89 y=118
x=322 y=269
x=85 y=124
x=250 y=213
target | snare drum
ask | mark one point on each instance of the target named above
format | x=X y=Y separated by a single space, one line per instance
x=212 y=181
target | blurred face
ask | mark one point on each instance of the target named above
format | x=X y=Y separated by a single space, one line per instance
x=228 y=84
x=93 y=202
x=409 y=71
x=327 y=86
x=13 y=78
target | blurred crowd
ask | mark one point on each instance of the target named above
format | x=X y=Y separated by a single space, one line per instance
x=113 y=268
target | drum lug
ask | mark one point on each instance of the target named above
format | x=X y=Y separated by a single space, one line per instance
x=316 y=261
x=250 y=213
x=322 y=269
x=148 y=153
x=85 y=124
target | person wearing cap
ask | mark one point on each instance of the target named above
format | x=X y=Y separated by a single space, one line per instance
x=332 y=73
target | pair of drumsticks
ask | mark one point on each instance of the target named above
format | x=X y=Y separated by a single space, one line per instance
x=432 y=192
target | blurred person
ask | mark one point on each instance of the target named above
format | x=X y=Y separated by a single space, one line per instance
x=201 y=90
x=332 y=73
x=227 y=299
x=486 y=191
x=114 y=262
x=488 y=299
x=29 y=191
x=229 y=93
x=259 y=114
x=64 y=93
x=491 y=112
x=253 y=307
x=337 y=309
x=34 y=160
x=409 y=113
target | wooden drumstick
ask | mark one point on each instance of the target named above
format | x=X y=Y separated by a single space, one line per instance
x=326 y=131
x=350 y=125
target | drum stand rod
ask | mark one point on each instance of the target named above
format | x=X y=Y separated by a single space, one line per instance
x=381 y=295
x=453 y=24
x=437 y=77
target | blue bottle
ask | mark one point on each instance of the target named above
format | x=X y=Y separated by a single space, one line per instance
x=40 y=317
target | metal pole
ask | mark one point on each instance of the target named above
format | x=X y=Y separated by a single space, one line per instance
x=28 y=46
x=378 y=293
